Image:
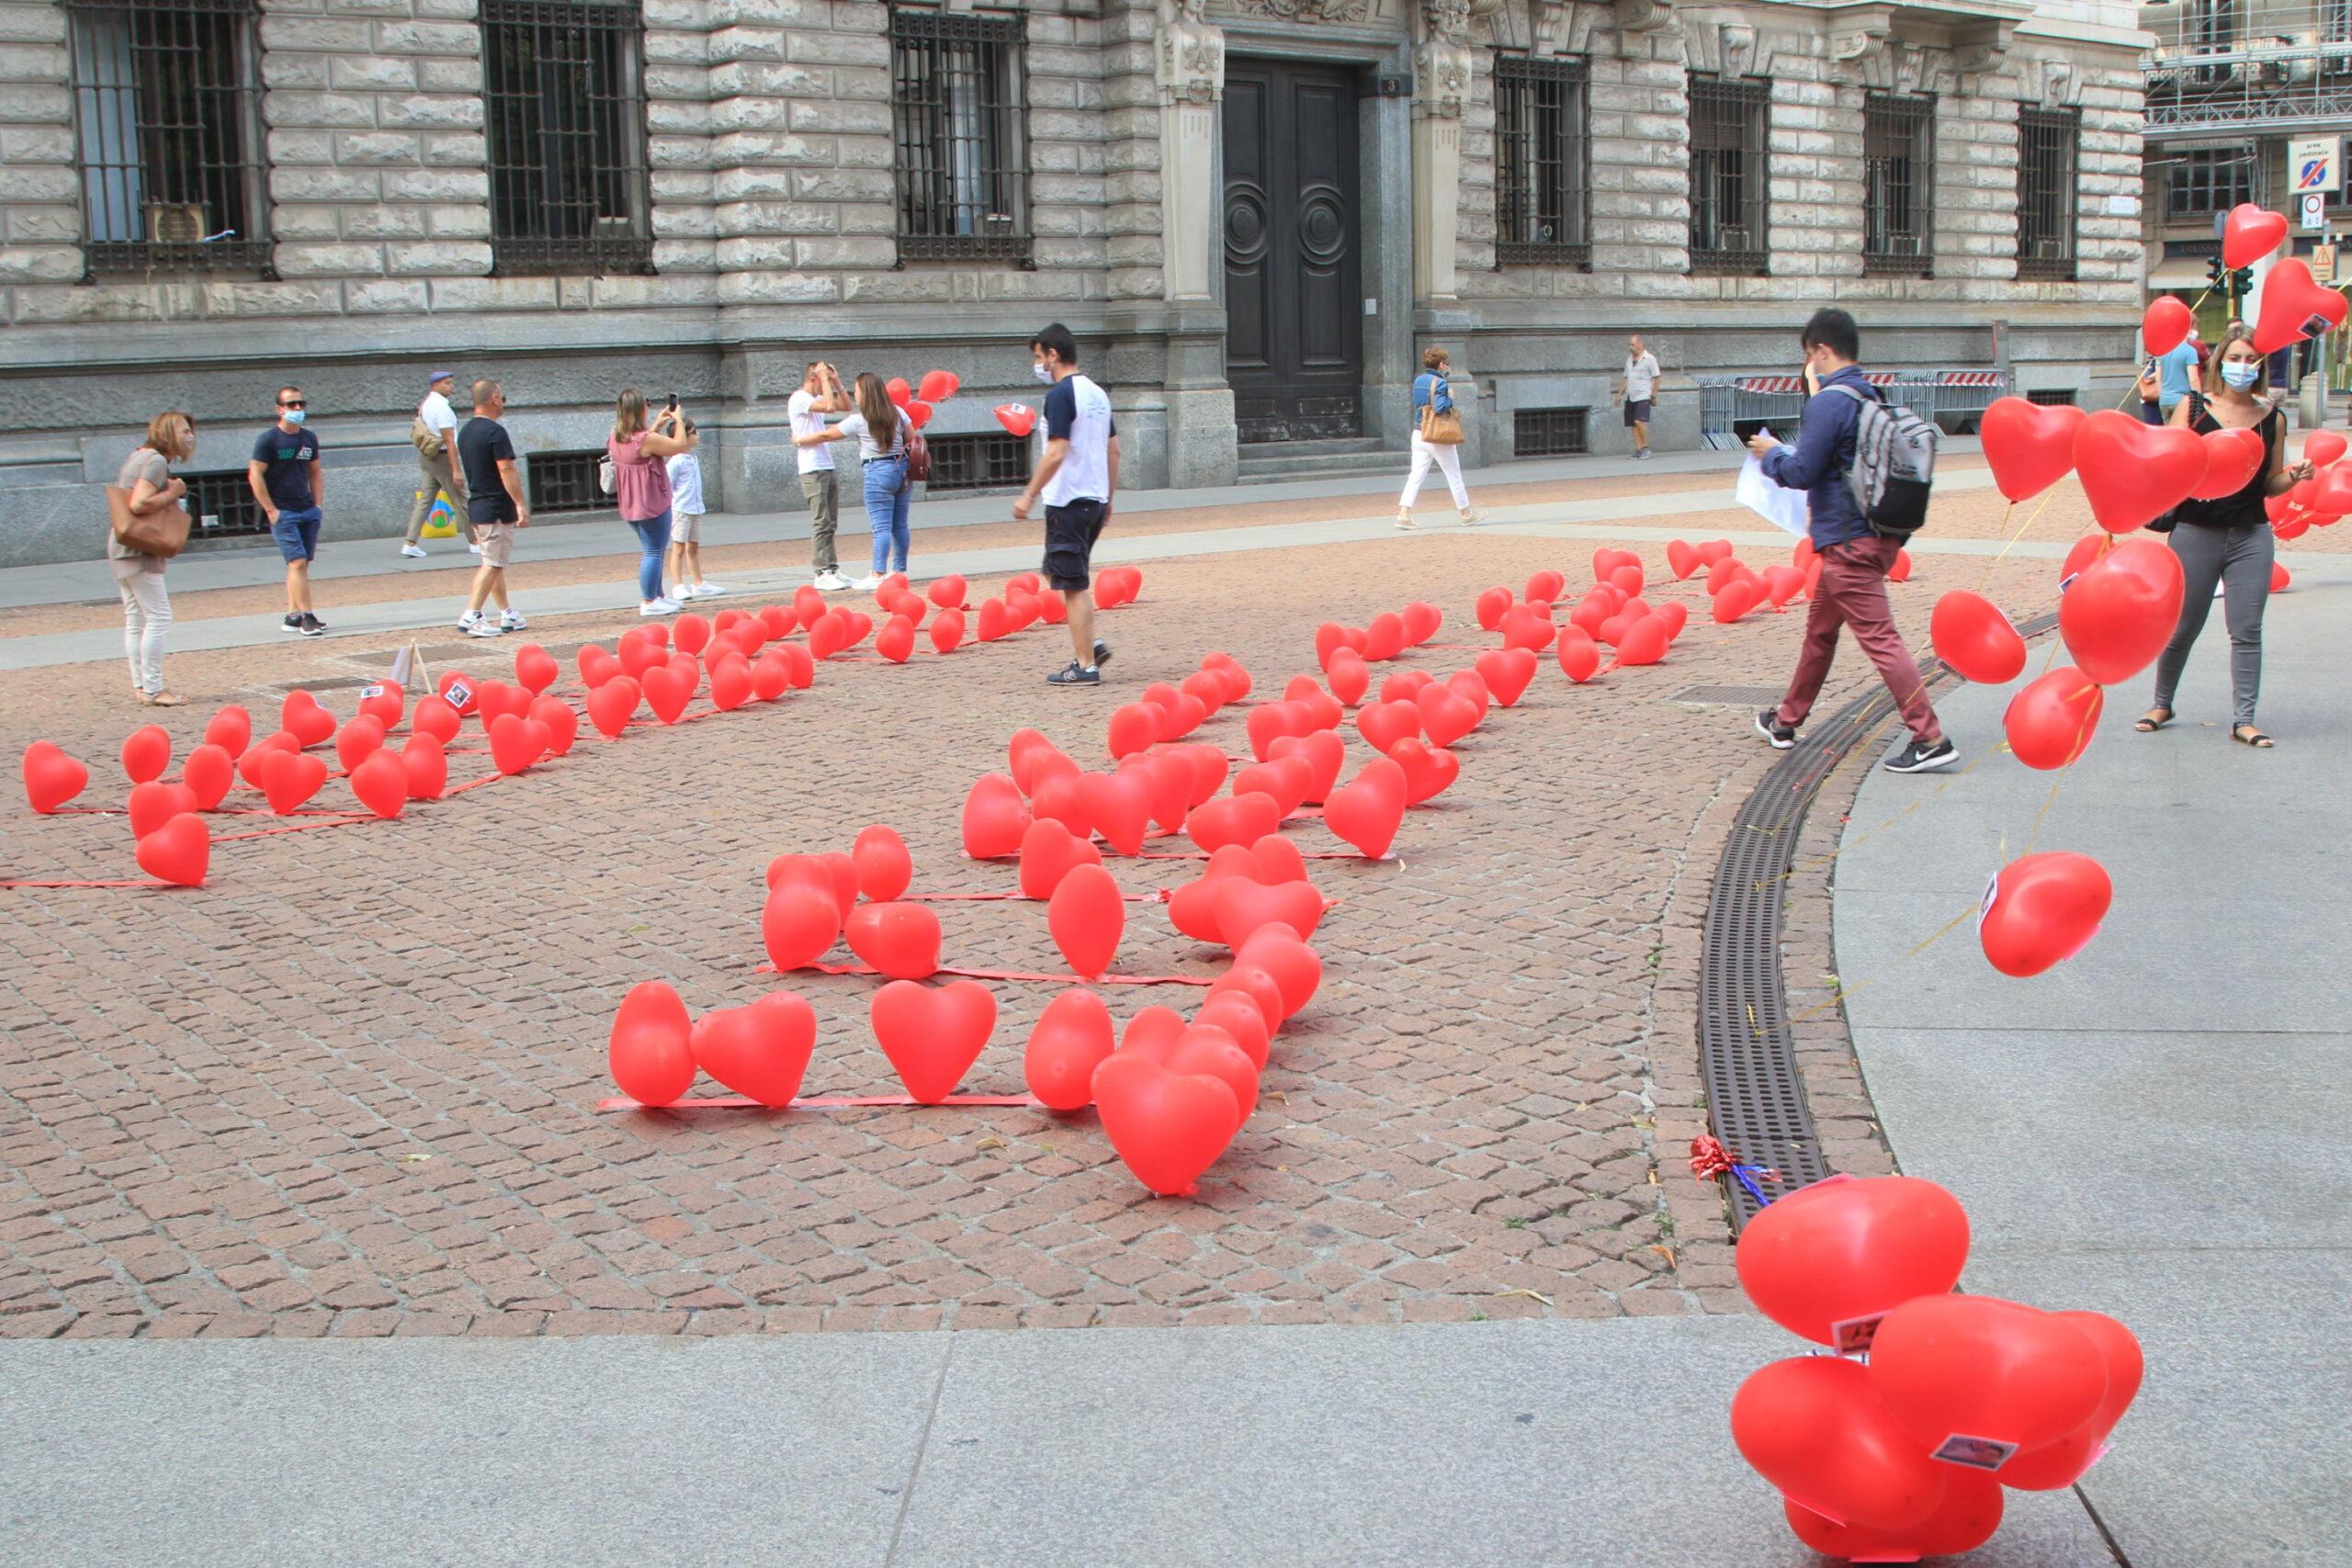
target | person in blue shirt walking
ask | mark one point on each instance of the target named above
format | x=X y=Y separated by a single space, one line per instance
x=1431 y=394
x=1852 y=591
x=2173 y=376
x=285 y=477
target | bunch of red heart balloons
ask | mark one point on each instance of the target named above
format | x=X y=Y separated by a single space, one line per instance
x=1901 y=1445
x=921 y=400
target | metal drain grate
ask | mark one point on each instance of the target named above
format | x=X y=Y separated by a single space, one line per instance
x=1755 y=1100
x=1727 y=696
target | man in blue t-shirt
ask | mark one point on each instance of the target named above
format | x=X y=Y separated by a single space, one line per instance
x=2180 y=371
x=286 y=478
x=1077 y=476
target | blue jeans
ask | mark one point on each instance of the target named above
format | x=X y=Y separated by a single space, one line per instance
x=653 y=535
x=886 y=495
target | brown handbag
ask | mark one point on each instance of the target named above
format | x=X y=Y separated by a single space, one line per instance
x=162 y=533
x=1440 y=429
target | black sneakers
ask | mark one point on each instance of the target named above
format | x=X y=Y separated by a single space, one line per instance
x=1917 y=759
x=313 y=625
x=1076 y=674
x=1101 y=653
x=292 y=624
x=1768 y=726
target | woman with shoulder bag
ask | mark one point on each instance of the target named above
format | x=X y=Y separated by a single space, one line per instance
x=2228 y=541
x=142 y=512
x=639 y=456
x=1437 y=438
x=882 y=432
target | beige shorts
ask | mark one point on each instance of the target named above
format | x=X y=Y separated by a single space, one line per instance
x=686 y=527
x=497 y=543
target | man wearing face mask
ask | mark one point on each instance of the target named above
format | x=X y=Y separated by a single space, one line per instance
x=284 y=477
x=1854 y=557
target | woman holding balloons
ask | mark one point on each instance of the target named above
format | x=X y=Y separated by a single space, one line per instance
x=2228 y=540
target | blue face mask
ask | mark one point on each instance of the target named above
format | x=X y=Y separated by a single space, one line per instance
x=293 y=416
x=2241 y=375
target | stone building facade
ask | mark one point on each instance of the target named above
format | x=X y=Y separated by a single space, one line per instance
x=1255 y=214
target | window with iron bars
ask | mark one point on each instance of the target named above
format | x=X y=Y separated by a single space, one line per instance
x=221 y=502
x=985 y=461
x=564 y=91
x=959 y=107
x=1543 y=158
x=1898 y=185
x=2049 y=170
x=2206 y=180
x=1729 y=124
x=2051 y=397
x=564 y=482
x=1550 y=433
x=168 y=114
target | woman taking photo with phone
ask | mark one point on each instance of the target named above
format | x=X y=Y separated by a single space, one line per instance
x=641 y=457
x=2228 y=541
x=146 y=607
x=880 y=427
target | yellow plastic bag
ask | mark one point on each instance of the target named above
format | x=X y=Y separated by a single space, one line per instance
x=441 y=523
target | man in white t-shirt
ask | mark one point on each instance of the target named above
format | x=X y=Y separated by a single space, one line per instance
x=435 y=435
x=1635 y=389
x=1078 y=476
x=821 y=394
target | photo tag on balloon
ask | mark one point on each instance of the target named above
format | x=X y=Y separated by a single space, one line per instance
x=1975 y=1453
x=2314 y=325
x=458 y=696
x=1852 y=1335
x=1985 y=910
x=374 y=691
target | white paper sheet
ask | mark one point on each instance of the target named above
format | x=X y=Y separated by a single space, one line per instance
x=1785 y=509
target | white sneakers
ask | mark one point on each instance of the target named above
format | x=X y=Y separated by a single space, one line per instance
x=1404 y=519
x=658 y=607
x=474 y=622
x=831 y=582
x=867 y=584
x=705 y=591
x=511 y=622
x=413 y=551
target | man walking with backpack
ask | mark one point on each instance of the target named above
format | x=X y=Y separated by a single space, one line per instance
x=1865 y=469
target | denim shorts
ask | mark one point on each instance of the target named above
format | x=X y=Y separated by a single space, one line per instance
x=297 y=533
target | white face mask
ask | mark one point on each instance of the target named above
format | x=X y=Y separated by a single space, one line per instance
x=2239 y=374
x=1043 y=371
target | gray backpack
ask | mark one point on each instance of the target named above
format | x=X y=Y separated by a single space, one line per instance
x=1895 y=463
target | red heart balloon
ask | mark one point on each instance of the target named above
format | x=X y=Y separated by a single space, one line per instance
x=1323 y=752
x=613 y=704
x=1385 y=724
x=1318 y=709
x=207 y=773
x=562 y=721
x=1278 y=949
x=1979 y=1367
x=1167 y=781
x=1118 y=807
x=994 y=817
x=1965 y=1519
x=731 y=683
x=1210 y=767
x=2062 y=1463
x=1169 y=1127
x=1430 y=770
x=1506 y=671
x=146 y=752
x=1829 y=1260
x=1383 y=637
x=2049 y=722
x=948 y=592
x=1447 y=716
x=536 y=668
x=1350 y=676
x=691 y=633
x=512 y=745
x=232 y=729
x=179 y=852
x=2117 y=615
x=1421 y=621
x=52 y=778
x=900 y=940
x=1191 y=909
x=1209 y=1051
x=761 y=1050
x=2043 y=909
x=384 y=705
x=1071 y=1038
x=2132 y=471
x=883 y=867
x=301 y=716
x=1055 y=800
x=1681 y=558
x=799 y=923
x=1491 y=606
x=2231 y=459
x=1247 y=981
x=1645 y=642
x=250 y=766
x=649 y=1049
x=1975 y=639
x=425 y=768
x=1087 y=916
x=439 y=717
x=1525 y=627
x=2164 y=325
x=290 y=778
x=1241 y=819
x=2028 y=447
x=2249 y=234
x=666 y=693
x=597 y=665
x=1285 y=780
x=381 y=784
x=896 y=641
x=1580 y=660
x=1242 y=906
x=2322 y=447
x=1367 y=812
x=1739 y=596
x=1268 y=722
x=771 y=675
x=361 y=735
x=152 y=804
x=1242 y=1022
x=1048 y=852
x=1815 y=1428
x=932 y=1037
x=2295 y=306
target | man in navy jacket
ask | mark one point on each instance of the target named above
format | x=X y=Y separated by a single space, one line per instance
x=1852 y=591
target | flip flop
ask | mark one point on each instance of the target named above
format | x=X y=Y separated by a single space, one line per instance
x=2247 y=735
x=2148 y=723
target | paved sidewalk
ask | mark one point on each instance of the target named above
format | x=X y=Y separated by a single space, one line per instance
x=1550 y=1445
x=2155 y=1129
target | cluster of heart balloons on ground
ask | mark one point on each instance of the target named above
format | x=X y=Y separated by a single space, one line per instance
x=1900 y=1445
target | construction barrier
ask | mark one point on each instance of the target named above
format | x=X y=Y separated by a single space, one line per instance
x=1733 y=408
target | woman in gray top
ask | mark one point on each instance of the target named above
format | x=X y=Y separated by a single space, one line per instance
x=146 y=607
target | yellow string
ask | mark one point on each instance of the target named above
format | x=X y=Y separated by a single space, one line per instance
x=1838 y=997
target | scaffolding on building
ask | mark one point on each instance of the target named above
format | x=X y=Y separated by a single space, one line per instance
x=2273 y=65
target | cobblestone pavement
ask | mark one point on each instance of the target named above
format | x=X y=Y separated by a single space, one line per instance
x=348 y=1087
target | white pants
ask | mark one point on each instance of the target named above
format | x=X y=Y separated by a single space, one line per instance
x=1449 y=461
x=146 y=618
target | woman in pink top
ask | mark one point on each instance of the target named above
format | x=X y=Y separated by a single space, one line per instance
x=641 y=485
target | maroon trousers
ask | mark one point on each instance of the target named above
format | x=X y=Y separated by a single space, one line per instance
x=1852 y=592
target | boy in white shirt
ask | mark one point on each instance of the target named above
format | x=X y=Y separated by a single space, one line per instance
x=821 y=394
x=686 y=528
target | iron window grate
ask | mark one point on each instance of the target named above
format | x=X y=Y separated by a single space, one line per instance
x=168 y=126
x=1729 y=170
x=2049 y=170
x=2051 y=397
x=1544 y=158
x=959 y=111
x=1550 y=433
x=2206 y=180
x=1898 y=189
x=222 y=503
x=564 y=95
x=565 y=481
x=985 y=461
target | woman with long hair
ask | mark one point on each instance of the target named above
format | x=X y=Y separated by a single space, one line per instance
x=2228 y=541
x=881 y=430
x=639 y=456
x=146 y=607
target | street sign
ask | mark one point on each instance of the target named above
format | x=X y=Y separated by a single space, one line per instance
x=2324 y=264
x=2316 y=164
x=2314 y=211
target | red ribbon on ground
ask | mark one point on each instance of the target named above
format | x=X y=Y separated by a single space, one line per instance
x=861 y=969
x=162 y=884
x=737 y=1102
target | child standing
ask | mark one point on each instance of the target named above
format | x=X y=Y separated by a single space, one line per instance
x=686 y=527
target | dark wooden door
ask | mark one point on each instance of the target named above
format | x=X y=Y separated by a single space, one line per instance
x=1293 y=263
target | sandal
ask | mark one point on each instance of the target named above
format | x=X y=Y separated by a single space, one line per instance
x=2247 y=735
x=2149 y=723
x=165 y=700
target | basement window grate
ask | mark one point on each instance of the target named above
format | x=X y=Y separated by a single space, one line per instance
x=1550 y=433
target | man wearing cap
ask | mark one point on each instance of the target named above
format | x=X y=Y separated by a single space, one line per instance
x=435 y=435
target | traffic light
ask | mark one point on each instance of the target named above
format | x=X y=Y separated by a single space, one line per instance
x=2241 y=283
x=2216 y=274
